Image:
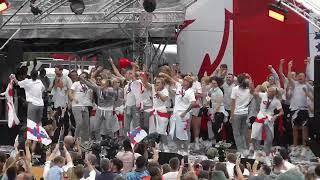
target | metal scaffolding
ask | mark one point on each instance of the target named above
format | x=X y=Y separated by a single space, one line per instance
x=305 y=13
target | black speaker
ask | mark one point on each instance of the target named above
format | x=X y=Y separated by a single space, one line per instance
x=164 y=157
x=14 y=52
x=149 y=5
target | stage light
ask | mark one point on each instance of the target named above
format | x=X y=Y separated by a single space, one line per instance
x=149 y=5
x=4 y=5
x=277 y=12
x=77 y=6
x=35 y=10
x=276 y=16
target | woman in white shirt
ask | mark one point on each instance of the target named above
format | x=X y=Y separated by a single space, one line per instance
x=34 y=89
x=218 y=111
x=240 y=100
x=180 y=121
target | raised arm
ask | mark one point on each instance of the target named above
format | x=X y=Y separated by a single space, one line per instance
x=308 y=68
x=275 y=75
x=90 y=84
x=291 y=82
x=115 y=69
x=172 y=80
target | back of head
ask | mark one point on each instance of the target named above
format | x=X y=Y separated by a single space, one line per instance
x=190 y=176
x=222 y=167
x=231 y=157
x=284 y=153
x=58 y=161
x=165 y=168
x=92 y=159
x=292 y=175
x=78 y=171
x=154 y=172
x=105 y=164
x=34 y=74
x=3 y=157
x=217 y=175
x=141 y=162
x=127 y=145
x=11 y=173
x=277 y=161
x=207 y=165
x=174 y=163
x=211 y=153
x=118 y=163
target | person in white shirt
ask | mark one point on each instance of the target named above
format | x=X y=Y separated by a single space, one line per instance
x=133 y=101
x=81 y=98
x=227 y=89
x=241 y=98
x=264 y=123
x=180 y=121
x=174 y=165
x=159 y=116
x=196 y=120
x=218 y=112
x=298 y=106
x=34 y=89
x=146 y=98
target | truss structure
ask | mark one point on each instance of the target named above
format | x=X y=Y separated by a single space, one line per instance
x=305 y=13
x=98 y=14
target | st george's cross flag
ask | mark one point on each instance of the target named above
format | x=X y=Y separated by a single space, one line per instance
x=137 y=135
x=36 y=132
x=12 y=116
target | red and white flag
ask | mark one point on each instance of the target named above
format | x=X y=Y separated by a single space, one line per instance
x=36 y=132
x=12 y=116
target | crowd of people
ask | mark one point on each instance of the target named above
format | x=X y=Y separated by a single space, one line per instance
x=179 y=107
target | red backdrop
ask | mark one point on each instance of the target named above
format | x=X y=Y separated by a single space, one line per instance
x=260 y=40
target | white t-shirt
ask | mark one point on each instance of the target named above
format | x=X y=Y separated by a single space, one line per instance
x=82 y=94
x=157 y=103
x=215 y=94
x=197 y=88
x=170 y=176
x=273 y=104
x=133 y=93
x=34 y=90
x=60 y=87
x=242 y=97
x=227 y=89
x=298 y=99
x=147 y=98
x=183 y=98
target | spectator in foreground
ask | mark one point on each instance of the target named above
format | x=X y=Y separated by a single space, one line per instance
x=105 y=166
x=140 y=171
x=174 y=164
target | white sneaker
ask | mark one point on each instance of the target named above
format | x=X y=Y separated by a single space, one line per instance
x=184 y=153
x=303 y=152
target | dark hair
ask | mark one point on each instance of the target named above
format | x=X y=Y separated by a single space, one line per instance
x=11 y=173
x=60 y=67
x=118 y=163
x=43 y=72
x=141 y=148
x=105 y=164
x=266 y=169
x=242 y=81
x=3 y=157
x=277 y=160
x=155 y=173
x=224 y=66
x=317 y=170
x=207 y=165
x=218 y=80
x=141 y=162
x=222 y=167
x=174 y=163
x=34 y=74
x=166 y=168
x=284 y=153
x=127 y=145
